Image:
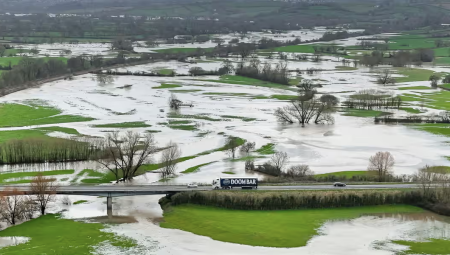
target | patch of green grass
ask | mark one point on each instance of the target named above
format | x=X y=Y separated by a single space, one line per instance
x=196 y=168
x=414 y=88
x=228 y=172
x=267 y=149
x=185 y=90
x=362 y=113
x=241 y=80
x=251 y=157
x=167 y=86
x=437 y=129
x=305 y=48
x=413 y=74
x=51 y=235
x=447 y=86
x=4 y=177
x=70 y=131
x=346 y=68
x=430 y=247
x=153 y=131
x=165 y=71
x=247 y=119
x=17 y=115
x=184 y=127
x=410 y=110
x=348 y=174
x=177 y=122
x=181 y=50
x=22 y=134
x=80 y=202
x=226 y=94
x=187 y=116
x=136 y=124
x=284 y=228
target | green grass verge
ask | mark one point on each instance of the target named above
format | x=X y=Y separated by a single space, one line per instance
x=70 y=131
x=196 y=168
x=267 y=149
x=348 y=174
x=286 y=228
x=136 y=124
x=241 y=80
x=51 y=235
x=228 y=172
x=167 y=86
x=305 y=48
x=80 y=202
x=184 y=127
x=410 y=110
x=414 y=88
x=431 y=247
x=437 y=129
x=4 y=177
x=17 y=115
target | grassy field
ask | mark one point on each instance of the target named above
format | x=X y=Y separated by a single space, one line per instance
x=4 y=177
x=196 y=168
x=431 y=247
x=348 y=174
x=70 y=131
x=17 y=115
x=181 y=50
x=136 y=124
x=362 y=113
x=410 y=110
x=80 y=202
x=267 y=149
x=285 y=228
x=241 y=80
x=413 y=74
x=306 y=48
x=167 y=86
x=437 y=129
x=246 y=119
x=51 y=235
x=414 y=88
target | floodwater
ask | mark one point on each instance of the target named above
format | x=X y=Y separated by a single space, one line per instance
x=12 y=240
x=370 y=234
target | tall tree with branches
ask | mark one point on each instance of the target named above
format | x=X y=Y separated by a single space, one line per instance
x=44 y=189
x=123 y=155
x=169 y=159
x=381 y=163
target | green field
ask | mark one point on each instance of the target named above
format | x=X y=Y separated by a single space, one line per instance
x=167 y=86
x=4 y=177
x=430 y=247
x=51 y=235
x=70 y=131
x=437 y=129
x=362 y=113
x=414 y=88
x=136 y=124
x=17 y=115
x=296 y=48
x=267 y=149
x=413 y=74
x=284 y=228
x=196 y=168
x=241 y=80
x=348 y=174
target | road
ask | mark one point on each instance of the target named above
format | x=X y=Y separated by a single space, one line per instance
x=132 y=190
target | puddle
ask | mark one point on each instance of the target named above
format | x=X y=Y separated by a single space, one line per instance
x=13 y=240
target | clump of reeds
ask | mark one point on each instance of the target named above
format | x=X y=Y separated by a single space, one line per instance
x=295 y=200
x=42 y=150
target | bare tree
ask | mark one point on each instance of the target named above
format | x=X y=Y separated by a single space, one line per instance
x=29 y=207
x=44 y=189
x=232 y=145
x=12 y=205
x=427 y=177
x=124 y=155
x=381 y=163
x=169 y=159
x=246 y=148
x=299 y=171
x=279 y=160
x=385 y=77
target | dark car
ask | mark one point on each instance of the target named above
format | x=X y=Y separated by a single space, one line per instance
x=339 y=184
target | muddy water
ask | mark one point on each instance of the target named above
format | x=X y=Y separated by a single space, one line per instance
x=369 y=234
x=12 y=240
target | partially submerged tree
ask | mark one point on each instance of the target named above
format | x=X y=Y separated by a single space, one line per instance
x=434 y=79
x=44 y=190
x=385 y=77
x=12 y=205
x=299 y=171
x=169 y=159
x=279 y=160
x=123 y=155
x=446 y=79
x=381 y=164
x=231 y=145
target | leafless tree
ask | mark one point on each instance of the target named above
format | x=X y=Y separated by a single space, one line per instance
x=232 y=145
x=174 y=102
x=299 y=171
x=169 y=159
x=246 y=148
x=381 y=163
x=385 y=77
x=29 y=207
x=66 y=200
x=427 y=177
x=12 y=205
x=103 y=79
x=279 y=160
x=44 y=189
x=124 y=155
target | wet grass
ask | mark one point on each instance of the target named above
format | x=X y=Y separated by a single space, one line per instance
x=185 y=90
x=348 y=174
x=346 y=68
x=188 y=116
x=165 y=71
x=307 y=48
x=136 y=124
x=410 y=110
x=283 y=228
x=17 y=115
x=80 y=202
x=167 y=86
x=51 y=235
x=437 y=129
x=226 y=94
x=241 y=80
x=70 y=131
x=413 y=74
x=246 y=119
x=196 y=168
x=430 y=247
x=246 y=158
x=362 y=113
x=437 y=100
x=4 y=177
x=267 y=149
x=184 y=127
x=414 y=88
x=181 y=50
x=6 y=136
x=228 y=172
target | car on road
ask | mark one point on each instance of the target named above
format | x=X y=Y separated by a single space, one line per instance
x=339 y=184
x=192 y=185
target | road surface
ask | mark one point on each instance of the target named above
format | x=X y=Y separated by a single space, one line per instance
x=131 y=190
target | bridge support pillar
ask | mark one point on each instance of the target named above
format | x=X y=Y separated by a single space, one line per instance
x=109 y=205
